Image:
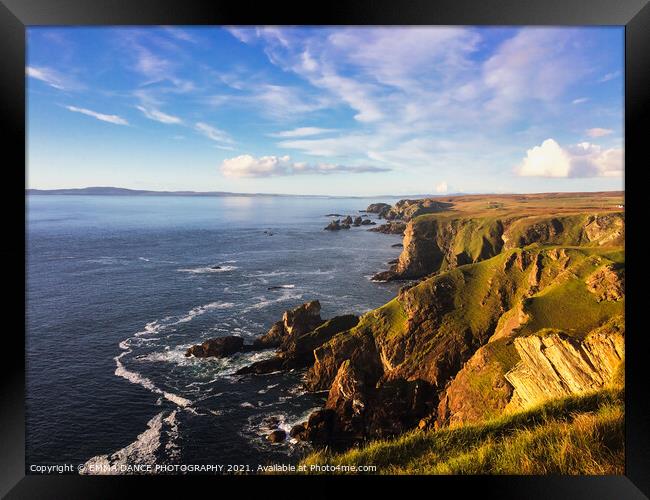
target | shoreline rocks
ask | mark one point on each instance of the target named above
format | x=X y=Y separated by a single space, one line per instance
x=300 y=331
x=391 y=227
x=336 y=225
x=277 y=436
x=220 y=347
x=381 y=209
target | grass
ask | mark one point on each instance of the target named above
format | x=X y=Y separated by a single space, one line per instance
x=574 y=435
x=567 y=304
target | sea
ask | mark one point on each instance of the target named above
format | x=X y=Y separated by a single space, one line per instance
x=118 y=287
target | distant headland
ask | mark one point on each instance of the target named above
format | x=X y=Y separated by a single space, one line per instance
x=116 y=191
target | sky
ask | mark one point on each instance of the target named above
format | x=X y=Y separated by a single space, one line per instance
x=328 y=111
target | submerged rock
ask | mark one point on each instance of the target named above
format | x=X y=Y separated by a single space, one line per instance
x=384 y=276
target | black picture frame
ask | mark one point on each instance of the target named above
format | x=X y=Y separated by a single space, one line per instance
x=16 y=15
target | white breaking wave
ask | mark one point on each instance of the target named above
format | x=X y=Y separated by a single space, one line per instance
x=261 y=301
x=142 y=451
x=177 y=355
x=199 y=310
x=136 y=378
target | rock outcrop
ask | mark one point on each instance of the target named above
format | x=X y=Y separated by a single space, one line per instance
x=380 y=209
x=336 y=225
x=391 y=227
x=406 y=210
x=218 y=347
x=607 y=283
x=555 y=364
x=301 y=331
x=435 y=244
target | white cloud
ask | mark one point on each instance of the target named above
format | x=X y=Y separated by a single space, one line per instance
x=51 y=77
x=277 y=102
x=271 y=166
x=117 y=120
x=159 y=116
x=580 y=100
x=346 y=145
x=598 y=132
x=582 y=160
x=302 y=132
x=442 y=187
x=213 y=133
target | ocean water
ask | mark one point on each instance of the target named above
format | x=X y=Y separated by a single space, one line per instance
x=119 y=286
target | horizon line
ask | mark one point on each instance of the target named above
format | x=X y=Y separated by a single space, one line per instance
x=187 y=192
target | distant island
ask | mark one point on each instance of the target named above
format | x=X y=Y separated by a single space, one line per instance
x=116 y=191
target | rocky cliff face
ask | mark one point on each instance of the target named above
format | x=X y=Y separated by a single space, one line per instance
x=434 y=244
x=473 y=342
x=555 y=365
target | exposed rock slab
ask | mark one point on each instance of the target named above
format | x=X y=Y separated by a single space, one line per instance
x=556 y=365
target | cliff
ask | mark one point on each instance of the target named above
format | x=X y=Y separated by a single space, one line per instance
x=513 y=310
x=438 y=243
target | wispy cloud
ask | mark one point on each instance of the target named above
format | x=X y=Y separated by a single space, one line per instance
x=302 y=132
x=537 y=64
x=599 y=132
x=271 y=166
x=580 y=100
x=117 y=120
x=276 y=102
x=51 y=77
x=180 y=34
x=581 y=160
x=213 y=133
x=159 y=116
x=610 y=76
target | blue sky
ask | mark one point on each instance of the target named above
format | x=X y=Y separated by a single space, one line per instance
x=358 y=111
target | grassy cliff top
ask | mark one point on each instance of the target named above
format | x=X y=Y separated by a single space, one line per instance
x=530 y=204
x=574 y=435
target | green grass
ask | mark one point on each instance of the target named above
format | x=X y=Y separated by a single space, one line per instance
x=574 y=435
x=567 y=304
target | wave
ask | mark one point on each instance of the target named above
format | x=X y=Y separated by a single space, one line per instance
x=199 y=310
x=142 y=451
x=262 y=302
x=138 y=379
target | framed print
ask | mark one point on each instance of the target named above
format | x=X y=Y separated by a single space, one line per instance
x=291 y=249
